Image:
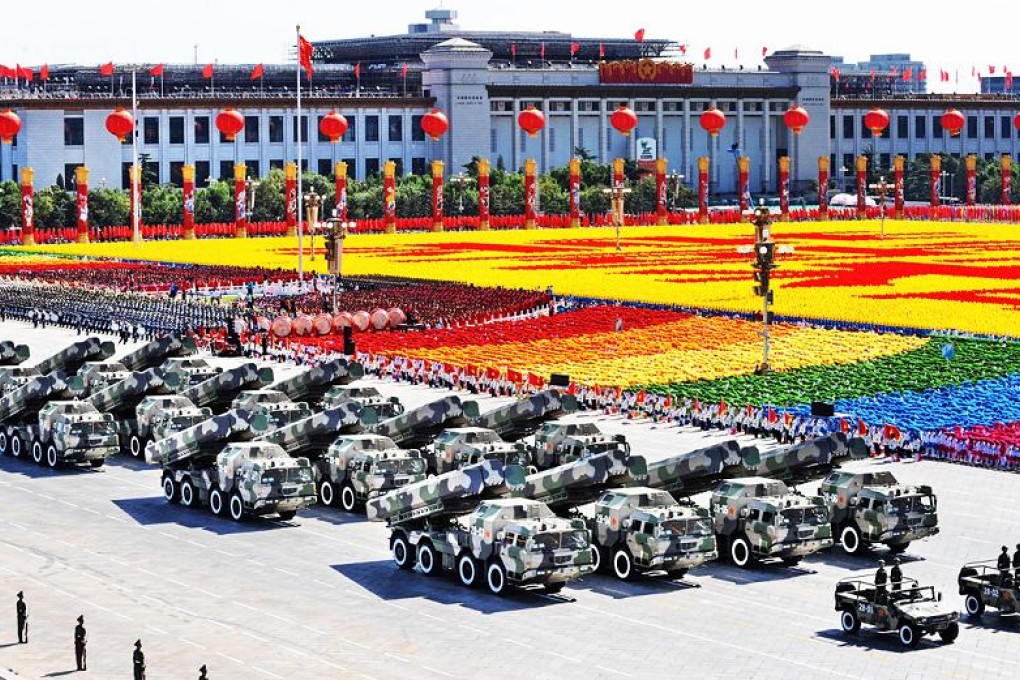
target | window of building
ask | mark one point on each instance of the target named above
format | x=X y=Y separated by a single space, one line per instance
x=587 y=106
x=417 y=134
x=989 y=127
x=276 y=129
x=70 y=178
x=396 y=129
x=848 y=164
x=902 y=127
x=920 y=127
x=74 y=131
x=372 y=129
x=352 y=168
x=201 y=173
x=253 y=168
x=418 y=166
x=754 y=107
x=324 y=167
x=276 y=164
x=177 y=173
x=371 y=167
x=201 y=129
x=150 y=130
x=125 y=175
x=989 y=156
x=552 y=140
x=352 y=130
x=649 y=107
x=832 y=127
x=303 y=128
x=1005 y=127
x=884 y=161
x=848 y=127
x=936 y=127
x=972 y=127
x=251 y=129
x=177 y=130
x=226 y=171
x=492 y=140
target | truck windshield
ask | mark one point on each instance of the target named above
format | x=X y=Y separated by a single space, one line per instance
x=810 y=515
x=601 y=447
x=98 y=427
x=484 y=438
x=299 y=475
x=400 y=466
x=178 y=423
x=906 y=504
x=568 y=540
x=686 y=527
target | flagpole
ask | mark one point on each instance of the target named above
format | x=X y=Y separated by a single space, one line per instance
x=134 y=161
x=300 y=234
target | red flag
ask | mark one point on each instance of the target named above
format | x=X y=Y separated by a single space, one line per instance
x=943 y=76
x=722 y=406
x=787 y=418
x=835 y=73
x=872 y=75
x=7 y=72
x=574 y=48
x=106 y=69
x=25 y=73
x=991 y=70
x=708 y=53
x=305 y=54
x=357 y=70
x=908 y=73
x=683 y=49
x=541 y=52
x=844 y=426
x=773 y=416
x=641 y=396
x=257 y=72
x=156 y=70
x=764 y=51
x=602 y=51
x=862 y=428
x=207 y=72
x=639 y=35
x=513 y=49
x=44 y=72
x=1009 y=81
x=403 y=71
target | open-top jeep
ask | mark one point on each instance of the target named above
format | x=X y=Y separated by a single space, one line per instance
x=983 y=585
x=911 y=610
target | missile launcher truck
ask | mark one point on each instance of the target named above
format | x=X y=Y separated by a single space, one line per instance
x=807 y=461
x=460 y=446
x=12 y=354
x=358 y=467
x=208 y=437
x=417 y=427
x=162 y=416
x=219 y=391
x=277 y=406
x=310 y=386
x=196 y=369
x=158 y=351
x=367 y=396
x=13 y=377
x=522 y=418
x=72 y=358
x=98 y=375
x=558 y=443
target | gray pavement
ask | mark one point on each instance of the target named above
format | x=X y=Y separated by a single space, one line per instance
x=319 y=597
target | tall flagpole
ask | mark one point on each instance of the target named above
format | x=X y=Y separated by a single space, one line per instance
x=300 y=194
x=137 y=202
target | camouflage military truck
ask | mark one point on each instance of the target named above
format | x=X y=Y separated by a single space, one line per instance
x=162 y=416
x=558 y=443
x=983 y=585
x=912 y=612
x=311 y=436
x=219 y=391
x=366 y=396
x=157 y=352
x=12 y=354
x=277 y=406
x=72 y=358
x=243 y=480
x=807 y=461
x=208 y=437
x=198 y=370
x=869 y=508
x=520 y=419
x=13 y=377
x=20 y=411
x=98 y=375
x=357 y=467
x=310 y=386
x=694 y=472
x=462 y=522
x=74 y=433
x=460 y=446
x=415 y=428
x=756 y=518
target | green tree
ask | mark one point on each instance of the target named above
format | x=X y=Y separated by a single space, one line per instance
x=162 y=204
x=414 y=198
x=553 y=198
x=269 y=198
x=10 y=205
x=507 y=197
x=109 y=207
x=594 y=201
x=215 y=203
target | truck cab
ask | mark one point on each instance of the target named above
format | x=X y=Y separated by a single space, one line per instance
x=366 y=396
x=13 y=377
x=757 y=518
x=358 y=467
x=558 y=443
x=460 y=446
x=162 y=416
x=98 y=375
x=197 y=370
x=277 y=406
x=74 y=432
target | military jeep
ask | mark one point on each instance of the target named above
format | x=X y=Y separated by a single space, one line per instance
x=912 y=611
x=983 y=585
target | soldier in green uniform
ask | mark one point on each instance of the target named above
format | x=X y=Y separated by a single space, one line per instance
x=80 y=640
x=21 y=609
x=138 y=661
x=896 y=576
x=880 y=582
x=1003 y=562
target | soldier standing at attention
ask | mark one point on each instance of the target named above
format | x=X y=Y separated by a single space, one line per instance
x=138 y=661
x=896 y=575
x=22 y=612
x=202 y=673
x=1016 y=563
x=80 y=640
x=880 y=580
x=1003 y=563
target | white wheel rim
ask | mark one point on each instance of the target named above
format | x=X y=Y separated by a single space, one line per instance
x=187 y=494
x=347 y=498
x=16 y=447
x=399 y=552
x=215 y=502
x=596 y=558
x=906 y=635
x=168 y=488
x=37 y=454
x=3 y=443
x=495 y=579
x=136 y=446
x=972 y=604
x=848 y=621
x=425 y=559
x=467 y=570
x=849 y=540
x=51 y=457
x=740 y=553
x=327 y=493
x=236 y=509
x=621 y=564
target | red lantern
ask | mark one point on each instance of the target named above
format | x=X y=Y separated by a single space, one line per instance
x=333 y=125
x=877 y=120
x=713 y=120
x=953 y=121
x=1016 y=121
x=624 y=120
x=120 y=124
x=435 y=124
x=796 y=118
x=531 y=121
x=10 y=124
x=230 y=122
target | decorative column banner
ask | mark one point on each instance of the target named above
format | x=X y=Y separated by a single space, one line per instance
x=618 y=177
x=188 y=214
x=340 y=175
x=936 y=180
x=703 y=165
x=784 y=188
x=744 y=181
x=437 y=195
x=390 y=197
x=971 y=179
x=27 y=208
x=530 y=193
x=1007 y=179
x=240 y=201
x=575 y=192
x=661 y=214
x=862 y=186
x=483 y=194
x=897 y=187
x=823 y=188
x=290 y=197
x=81 y=189
x=135 y=179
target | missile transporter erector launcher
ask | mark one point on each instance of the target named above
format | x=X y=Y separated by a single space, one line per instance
x=13 y=377
x=694 y=472
x=522 y=418
x=208 y=437
x=310 y=386
x=358 y=467
x=807 y=461
x=162 y=416
x=462 y=522
x=12 y=354
x=158 y=352
x=72 y=358
x=123 y=399
x=367 y=396
x=460 y=446
x=220 y=390
x=196 y=369
x=417 y=427
x=275 y=405
x=558 y=443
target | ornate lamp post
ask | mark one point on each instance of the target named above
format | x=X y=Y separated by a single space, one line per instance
x=312 y=204
x=882 y=187
x=764 y=250
x=336 y=232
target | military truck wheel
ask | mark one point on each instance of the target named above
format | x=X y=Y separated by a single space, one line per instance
x=495 y=578
x=791 y=561
x=96 y=464
x=170 y=490
x=348 y=499
x=950 y=634
x=327 y=493
x=553 y=588
x=598 y=560
x=287 y=516
x=401 y=551
x=3 y=443
x=850 y=540
x=974 y=605
x=216 y=501
x=236 y=508
x=740 y=552
x=849 y=621
x=468 y=570
x=910 y=636
x=136 y=446
x=623 y=564
x=677 y=573
x=16 y=446
x=187 y=493
x=37 y=453
x=899 y=548
x=52 y=460
x=428 y=560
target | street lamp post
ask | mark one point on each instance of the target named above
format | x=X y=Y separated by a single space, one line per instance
x=336 y=232
x=882 y=186
x=312 y=204
x=250 y=185
x=675 y=179
x=765 y=251
x=617 y=195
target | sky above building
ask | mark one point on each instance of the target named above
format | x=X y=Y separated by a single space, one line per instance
x=958 y=41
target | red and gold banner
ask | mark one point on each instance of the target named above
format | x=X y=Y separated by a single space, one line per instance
x=483 y=194
x=898 y=190
x=390 y=197
x=188 y=213
x=340 y=177
x=703 y=165
x=530 y=193
x=437 y=195
x=784 y=188
x=823 y=188
x=971 y=179
x=646 y=71
x=661 y=214
x=27 y=207
x=744 y=182
x=936 y=180
x=290 y=198
x=862 y=185
x=575 y=192
x=1006 y=163
x=81 y=190
x=240 y=201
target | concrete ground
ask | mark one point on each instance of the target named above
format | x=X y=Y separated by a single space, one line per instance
x=319 y=597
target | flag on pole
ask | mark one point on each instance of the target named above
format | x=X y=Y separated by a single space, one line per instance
x=908 y=73
x=541 y=51
x=513 y=50
x=156 y=70
x=257 y=72
x=835 y=73
x=991 y=70
x=922 y=74
x=106 y=69
x=764 y=51
x=602 y=51
x=357 y=70
x=639 y=35
x=207 y=72
x=708 y=53
x=1009 y=82
x=7 y=72
x=574 y=48
x=26 y=73
x=44 y=72
x=683 y=49
x=305 y=54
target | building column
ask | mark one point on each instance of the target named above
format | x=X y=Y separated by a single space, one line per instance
x=766 y=145
x=685 y=145
x=515 y=138
x=603 y=134
x=632 y=138
x=660 y=132
x=575 y=128
x=546 y=147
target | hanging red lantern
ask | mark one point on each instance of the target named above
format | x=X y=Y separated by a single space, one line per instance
x=796 y=118
x=120 y=124
x=531 y=121
x=230 y=122
x=623 y=120
x=333 y=125
x=435 y=124
x=953 y=121
x=10 y=124
x=713 y=120
x=877 y=121
x=1016 y=121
